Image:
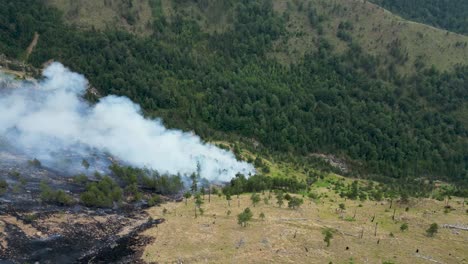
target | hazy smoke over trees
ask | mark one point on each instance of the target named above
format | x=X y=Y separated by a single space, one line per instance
x=49 y=116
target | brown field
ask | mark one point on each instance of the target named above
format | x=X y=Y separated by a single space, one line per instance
x=295 y=236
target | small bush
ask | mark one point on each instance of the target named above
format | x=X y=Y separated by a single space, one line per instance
x=155 y=200
x=432 y=230
x=404 y=227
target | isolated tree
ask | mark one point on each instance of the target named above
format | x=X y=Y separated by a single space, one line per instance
x=404 y=227
x=342 y=207
x=312 y=196
x=203 y=192
x=194 y=186
x=198 y=203
x=262 y=216
x=85 y=164
x=228 y=213
x=187 y=195
x=295 y=202
x=228 y=198
x=432 y=230
x=244 y=217
x=328 y=235
x=154 y=200
x=3 y=186
x=255 y=199
x=266 y=201
x=279 y=198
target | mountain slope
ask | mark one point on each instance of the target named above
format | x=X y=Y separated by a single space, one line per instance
x=448 y=14
x=226 y=82
x=375 y=30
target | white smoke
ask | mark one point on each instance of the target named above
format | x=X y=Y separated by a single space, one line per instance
x=48 y=116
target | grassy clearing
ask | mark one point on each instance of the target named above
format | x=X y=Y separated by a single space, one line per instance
x=287 y=236
x=374 y=29
x=107 y=14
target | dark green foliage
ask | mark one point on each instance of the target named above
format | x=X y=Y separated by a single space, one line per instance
x=102 y=194
x=244 y=217
x=279 y=198
x=258 y=183
x=295 y=202
x=327 y=235
x=85 y=164
x=223 y=85
x=448 y=14
x=150 y=179
x=198 y=203
x=80 y=179
x=59 y=197
x=313 y=195
x=404 y=227
x=3 y=186
x=187 y=195
x=432 y=230
x=255 y=198
x=155 y=200
x=262 y=216
x=342 y=206
x=228 y=198
x=132 y=193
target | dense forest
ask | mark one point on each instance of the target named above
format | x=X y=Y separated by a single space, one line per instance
x=451 y=15
x=223 y=85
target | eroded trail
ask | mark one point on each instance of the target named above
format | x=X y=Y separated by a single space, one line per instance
x=32 y=45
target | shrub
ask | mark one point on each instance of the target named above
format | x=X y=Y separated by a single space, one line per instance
x=51 y=196
x=432 y=230
x=295 y=202
x=3 y=186
x=155 y=200
x=404 y=227
x=244 y=217
x=101 y=194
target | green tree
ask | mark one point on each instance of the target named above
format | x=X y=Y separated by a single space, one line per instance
x=432 y=230
x=295 y=202
x=85 y=164
x=262 y=216
x=404 y=227
x=255 y=198
x=187 y=196
x=194 y=186
x=328 y=235
x=3 y=187
x=342 y=206
x=198 y=203
x=155 y=200
x=244 y=217
x=228 y=198
x=279 y=198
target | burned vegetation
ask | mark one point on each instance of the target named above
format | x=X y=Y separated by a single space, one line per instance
x=51 y=217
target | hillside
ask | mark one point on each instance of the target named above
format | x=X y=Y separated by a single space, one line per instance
x=377 y=31
x=288 y=81
x=451 y=15
x=374 y=29
x=286 y=235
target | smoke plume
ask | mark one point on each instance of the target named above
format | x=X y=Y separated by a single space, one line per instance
x=49 y=117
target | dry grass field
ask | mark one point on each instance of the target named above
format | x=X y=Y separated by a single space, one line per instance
x=295 y=236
